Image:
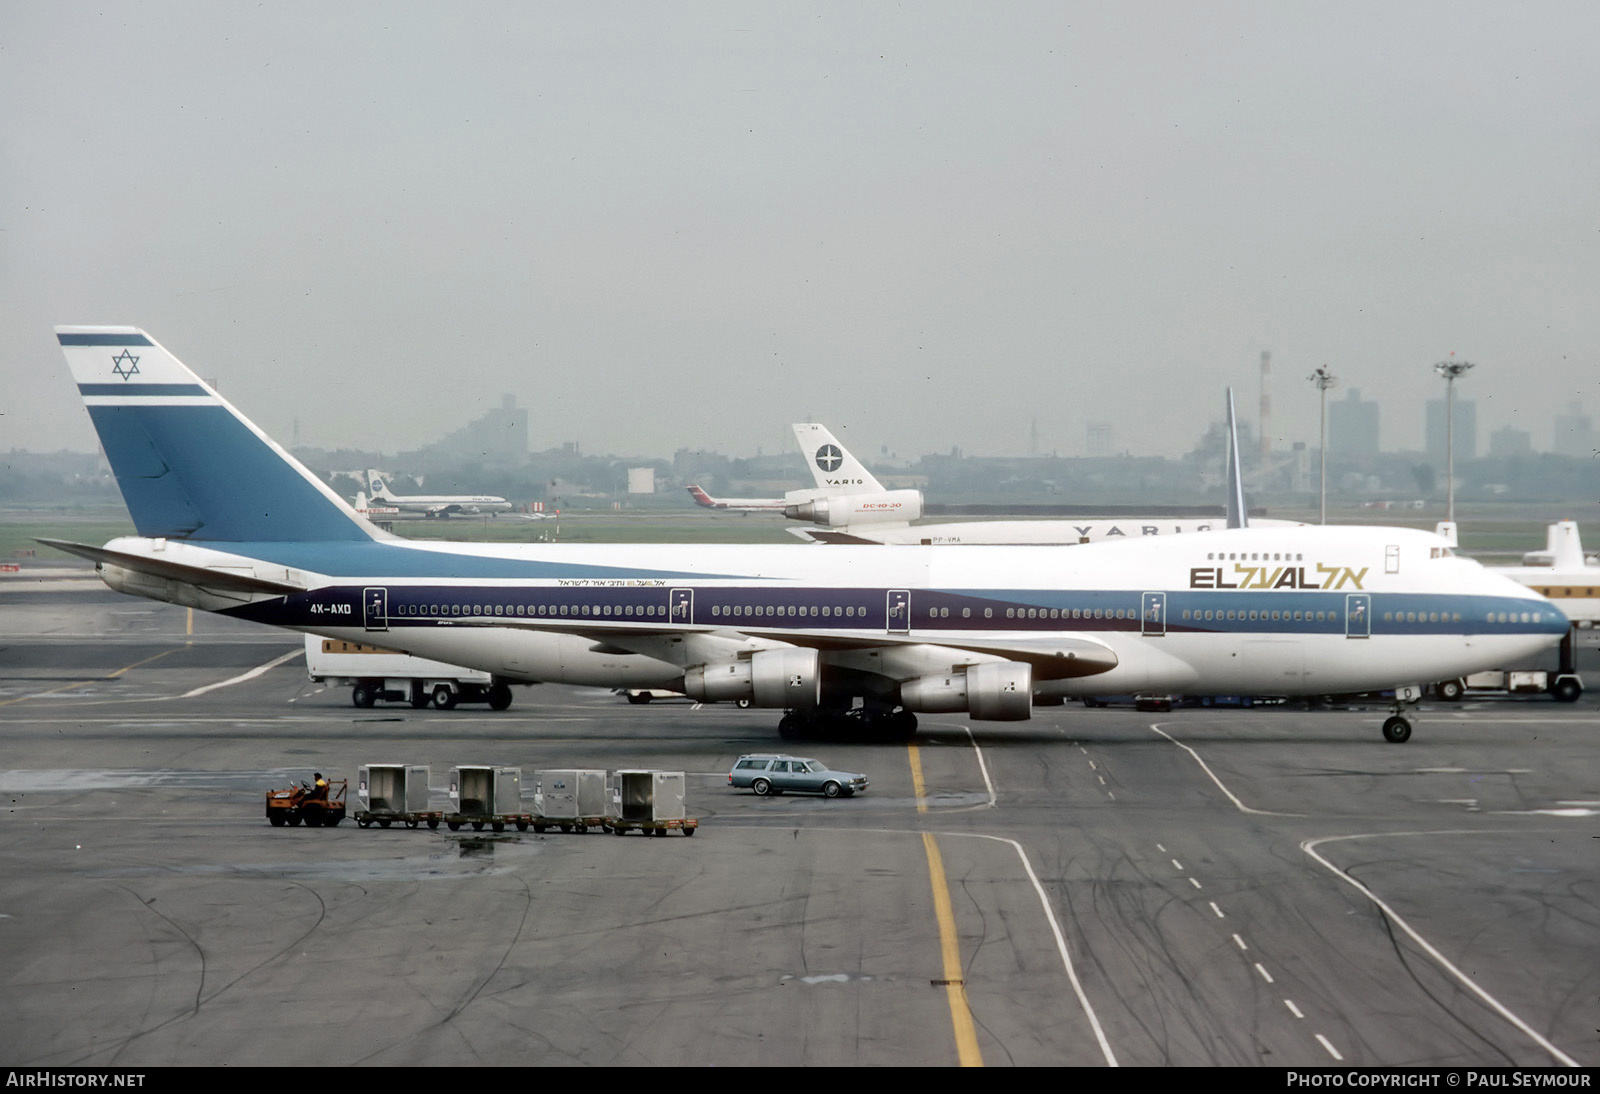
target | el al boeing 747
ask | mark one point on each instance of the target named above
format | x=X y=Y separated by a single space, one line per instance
x=858 y=636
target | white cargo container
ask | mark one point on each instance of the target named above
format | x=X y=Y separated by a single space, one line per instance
x=570 y=798
x=485 y=794
x=390 y=792
x=373 y=673
x=651 y=801
x=482 y=790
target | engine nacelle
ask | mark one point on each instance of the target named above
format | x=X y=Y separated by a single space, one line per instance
x=1000 y=692
x=789 y=679
x=843 y=510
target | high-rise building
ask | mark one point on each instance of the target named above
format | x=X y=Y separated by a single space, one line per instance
x=1510 y=441
x=1466 y=430
x=1099 y=440
x=1574 y=434
x=1353 y=428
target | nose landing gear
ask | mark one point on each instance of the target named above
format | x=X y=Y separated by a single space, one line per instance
x=1397 y=727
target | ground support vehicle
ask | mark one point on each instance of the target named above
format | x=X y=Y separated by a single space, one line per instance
x=651 y=802
x=373 y=673
x=300 y=804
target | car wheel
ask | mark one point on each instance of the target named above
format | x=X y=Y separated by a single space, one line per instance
x=1448 y=690
x=831 y=789
x=443 y=697
x=362 y=696
x=762 y=788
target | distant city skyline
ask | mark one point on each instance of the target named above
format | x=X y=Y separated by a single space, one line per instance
x=928 y=226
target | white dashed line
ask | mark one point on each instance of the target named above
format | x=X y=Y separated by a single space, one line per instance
x=1216 y=909
x=1176 y=865
x=1195 y=883
x=1294 y=1010
x=1331 y=1050
x=1240 y=941
x=1265 y=975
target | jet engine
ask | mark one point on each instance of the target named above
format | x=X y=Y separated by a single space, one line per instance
x=787 y=679
x=844 y=510
x=998 y=692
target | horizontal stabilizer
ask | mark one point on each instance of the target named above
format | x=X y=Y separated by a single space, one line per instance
x=174 y=571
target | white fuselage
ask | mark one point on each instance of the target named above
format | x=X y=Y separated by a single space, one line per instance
x=1268 y=611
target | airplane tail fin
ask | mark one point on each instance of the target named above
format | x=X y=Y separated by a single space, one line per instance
x=376 y=488
x=1566 y=549
x=701 y=497
x=189 y=465
x=1446 y=530
x=1238 y=515
x=831 y=464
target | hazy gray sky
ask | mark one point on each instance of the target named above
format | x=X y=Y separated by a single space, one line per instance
x=926 y=225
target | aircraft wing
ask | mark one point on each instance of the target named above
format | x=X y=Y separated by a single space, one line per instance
x=232 y=581
x=1056 y=657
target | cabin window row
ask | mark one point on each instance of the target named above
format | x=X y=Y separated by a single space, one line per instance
x=833 y=611
x=1425 y=617
x=1263 y=615
x=1252 y=556
x=640 y=611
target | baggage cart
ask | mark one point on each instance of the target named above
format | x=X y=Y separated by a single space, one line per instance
x=571 y=799
x=387 y=793
x=651 y=802
x=481 y=794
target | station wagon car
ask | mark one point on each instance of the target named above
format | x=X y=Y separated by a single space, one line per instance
x=774 y=774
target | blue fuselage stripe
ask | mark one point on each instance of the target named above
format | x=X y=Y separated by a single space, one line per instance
x=820 y=608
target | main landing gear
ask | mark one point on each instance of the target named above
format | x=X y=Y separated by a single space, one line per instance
x=870 y=723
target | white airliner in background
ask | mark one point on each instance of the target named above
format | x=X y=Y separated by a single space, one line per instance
x=845 y=491
x=847 y=637
x=879 y=516
x=433 y=505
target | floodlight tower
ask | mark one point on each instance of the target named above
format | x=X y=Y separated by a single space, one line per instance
x=1450 y=370
x=1324 y=380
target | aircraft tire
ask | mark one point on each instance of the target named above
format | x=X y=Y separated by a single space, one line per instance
x=1566 y=691
x=1449 y=690
x=1396 y=730
x=499 y=697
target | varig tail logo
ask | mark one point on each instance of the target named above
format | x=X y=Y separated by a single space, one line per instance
x=125 y=365
x=829 y=457
x=1276 y=577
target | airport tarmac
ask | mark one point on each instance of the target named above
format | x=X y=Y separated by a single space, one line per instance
x=1269 y=886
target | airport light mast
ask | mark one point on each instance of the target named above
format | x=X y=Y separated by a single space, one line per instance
x=1324 y=380
x=1450 y=370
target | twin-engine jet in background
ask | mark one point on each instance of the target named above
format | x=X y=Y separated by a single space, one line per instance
x=432 y=505
x=855 y=637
